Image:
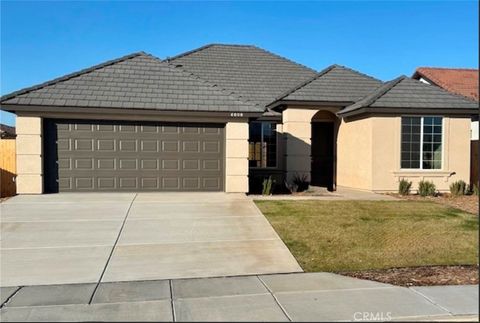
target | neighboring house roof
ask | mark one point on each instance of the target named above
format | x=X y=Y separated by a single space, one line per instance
x=461 y=81
x=7 y=132
x=248 y=71
x=136 y=81
x=334 y=84
x=409 y=94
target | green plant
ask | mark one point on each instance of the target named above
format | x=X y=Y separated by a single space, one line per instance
x=458 y=188
x=291 y=187
x=301 y=181
x=426 y=188
x=404 y=187
x=476 y=191
x=267 y=186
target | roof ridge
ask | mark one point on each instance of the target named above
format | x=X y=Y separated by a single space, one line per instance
x=443 y=90
x=71 y=75
x=374 y=95
x=381 y=91
x=237 y=45
x=284 y=58
x=448 y=68
x=440 y=82
x=318 y=75
x=211 y=84
x=168 y=59
x=304 y=83
x=360 y=73
x=202 y=48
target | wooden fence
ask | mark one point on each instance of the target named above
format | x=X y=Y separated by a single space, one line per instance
x=7 y=167
x=474 y=162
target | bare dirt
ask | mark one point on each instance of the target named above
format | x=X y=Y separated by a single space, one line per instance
x=467 y=203
x=421 y=276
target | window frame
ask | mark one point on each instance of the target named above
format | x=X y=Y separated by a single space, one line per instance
x=421 y=144
x=261 y=135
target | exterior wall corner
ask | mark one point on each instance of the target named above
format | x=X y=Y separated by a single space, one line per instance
x=29 y=155
x=236 y=156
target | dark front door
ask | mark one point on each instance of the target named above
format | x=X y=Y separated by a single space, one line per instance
x=322 y=154
x=133 y=156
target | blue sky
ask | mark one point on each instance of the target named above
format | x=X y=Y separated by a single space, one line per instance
x=43 y=40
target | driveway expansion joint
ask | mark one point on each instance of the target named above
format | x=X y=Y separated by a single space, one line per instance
x=431 y=301
x=172 y=304
x=275 y=298
x=10 y=297
x=113 y=249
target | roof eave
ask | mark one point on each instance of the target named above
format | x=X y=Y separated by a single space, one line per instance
x=14 y=108
x=411 y=111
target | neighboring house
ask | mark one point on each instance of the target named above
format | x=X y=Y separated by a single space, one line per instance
x=211 y=118
x=7 y=132
x=7 y=160
x=462 y=81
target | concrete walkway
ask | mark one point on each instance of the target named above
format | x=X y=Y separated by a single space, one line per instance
x=104 y=237
x=278 y=298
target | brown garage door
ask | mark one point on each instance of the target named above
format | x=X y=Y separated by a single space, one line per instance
x=126 y=156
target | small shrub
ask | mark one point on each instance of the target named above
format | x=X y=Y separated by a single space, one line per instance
x=301 y=182
x=291 y=187
x=268 y=186
x=458 y=188
x=426 y=188
x=476 y=191
x=404 y=187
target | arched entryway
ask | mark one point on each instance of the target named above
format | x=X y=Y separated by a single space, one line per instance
x=323 y=149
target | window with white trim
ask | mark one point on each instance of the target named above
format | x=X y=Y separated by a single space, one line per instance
x=421 y=143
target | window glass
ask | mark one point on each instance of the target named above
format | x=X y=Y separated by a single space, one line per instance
x=432 y=143
x=421 y=146
x=411 y=131
x=262 y=144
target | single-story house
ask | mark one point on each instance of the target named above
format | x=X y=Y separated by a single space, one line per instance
x=7 y=132
x=461 y=81
x=223 y=117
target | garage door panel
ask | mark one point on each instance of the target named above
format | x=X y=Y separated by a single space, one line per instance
x=111 y=156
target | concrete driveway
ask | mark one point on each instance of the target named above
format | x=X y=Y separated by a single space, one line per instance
x=108 y=237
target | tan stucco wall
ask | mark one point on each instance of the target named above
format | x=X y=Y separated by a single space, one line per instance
x=354 y=154
x=386 y=155
x=29 y=155
x=297 y=132
x=236 y=157
x=368 y=151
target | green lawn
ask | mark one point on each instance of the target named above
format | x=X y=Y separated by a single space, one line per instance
x=359 y=235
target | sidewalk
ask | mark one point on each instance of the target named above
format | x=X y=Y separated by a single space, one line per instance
x=286 y=297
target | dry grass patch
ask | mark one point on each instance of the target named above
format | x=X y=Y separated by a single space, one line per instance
x=359 y=235
x=467 y=203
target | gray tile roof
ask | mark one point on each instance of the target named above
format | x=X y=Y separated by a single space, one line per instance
x=334 y=84
x=406 y=93
x=250 y=72
x=138 y=81
x=226 y=78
